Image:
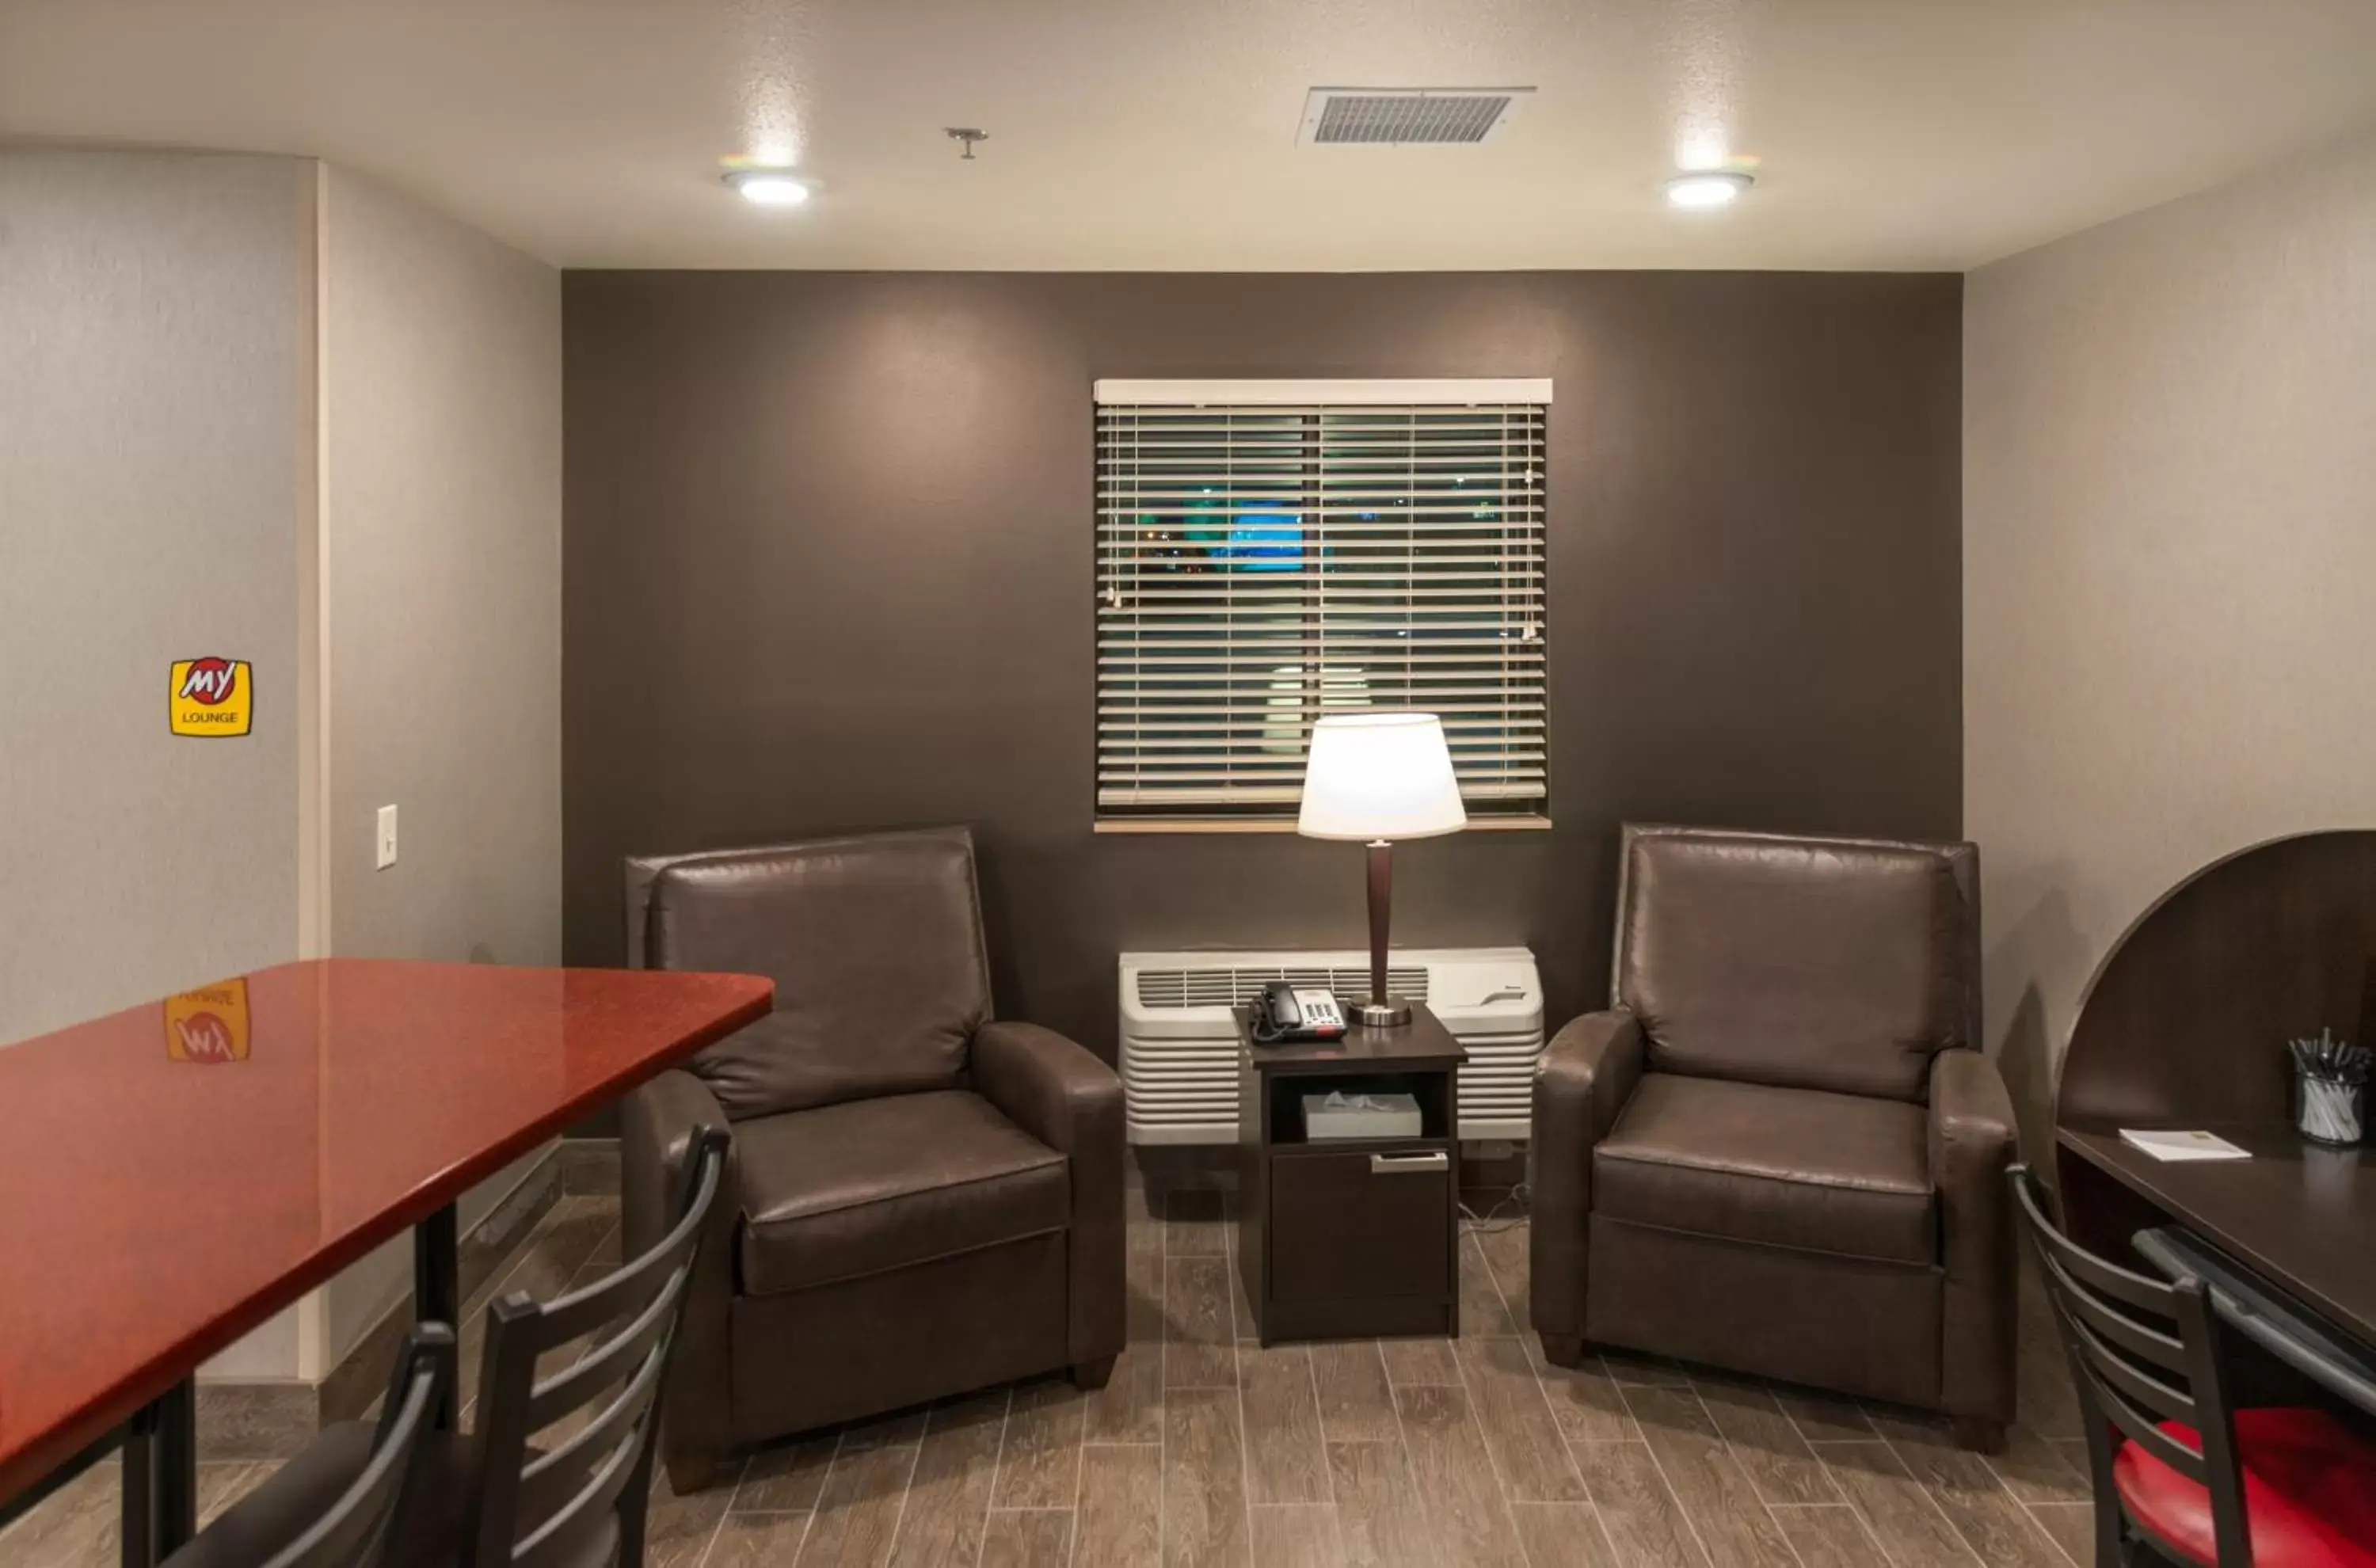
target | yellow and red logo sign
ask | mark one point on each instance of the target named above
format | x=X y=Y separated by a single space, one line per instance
x=212 y=697
x=210 y=1025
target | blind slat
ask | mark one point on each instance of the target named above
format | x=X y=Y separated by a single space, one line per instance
x=1187 y=711
x=1282 y=586
x=1512 y=795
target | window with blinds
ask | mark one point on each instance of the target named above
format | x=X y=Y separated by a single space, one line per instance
x=1269 y=552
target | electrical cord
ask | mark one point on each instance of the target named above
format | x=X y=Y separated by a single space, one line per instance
x=1485 y=1222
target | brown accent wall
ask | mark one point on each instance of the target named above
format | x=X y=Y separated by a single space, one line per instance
x=829 y=549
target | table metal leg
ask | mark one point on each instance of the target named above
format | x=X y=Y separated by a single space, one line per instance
x=161 y=1477
x=437 y=1284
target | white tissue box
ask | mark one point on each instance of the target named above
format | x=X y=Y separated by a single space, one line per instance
x=1340 y=1115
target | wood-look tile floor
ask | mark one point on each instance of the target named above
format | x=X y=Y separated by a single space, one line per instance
x=1206 y=1448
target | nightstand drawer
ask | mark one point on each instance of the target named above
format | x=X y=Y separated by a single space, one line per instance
x=1361 y=1223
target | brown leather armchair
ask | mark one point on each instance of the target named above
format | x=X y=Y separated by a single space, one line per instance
x=918 y=1201
x=1779 y=1150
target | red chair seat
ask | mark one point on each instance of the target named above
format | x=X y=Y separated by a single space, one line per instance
x=2310 y=1488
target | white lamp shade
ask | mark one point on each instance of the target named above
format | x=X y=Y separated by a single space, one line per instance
x=1380 y=775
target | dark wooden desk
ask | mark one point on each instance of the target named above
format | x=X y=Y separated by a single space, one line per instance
x=2184 y=1024
x=174 y=1174
x=1341 y=1237
x=2300 y=1218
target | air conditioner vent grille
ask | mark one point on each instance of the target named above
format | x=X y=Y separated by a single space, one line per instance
x=1406 y=116
x=1235 y=987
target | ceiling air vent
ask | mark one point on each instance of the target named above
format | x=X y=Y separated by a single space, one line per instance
x=1407 y=116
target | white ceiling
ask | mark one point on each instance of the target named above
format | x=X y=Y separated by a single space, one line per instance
x=1159 y=134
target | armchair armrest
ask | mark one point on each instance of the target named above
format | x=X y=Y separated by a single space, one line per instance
x=1587 y=1074
x=658 y=1126
x=1063 y=1096
x=1972 y=1145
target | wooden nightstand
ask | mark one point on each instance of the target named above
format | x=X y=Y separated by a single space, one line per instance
x=1346 y=1238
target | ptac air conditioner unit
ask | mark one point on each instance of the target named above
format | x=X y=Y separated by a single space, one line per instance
x=1180 y=1043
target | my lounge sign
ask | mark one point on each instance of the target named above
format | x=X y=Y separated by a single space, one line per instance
x=212 y=697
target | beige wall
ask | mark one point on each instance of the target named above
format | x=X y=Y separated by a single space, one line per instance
x=264 y=409
x=440 y=548
x=156 y=485
x=2169 y=559
x=442 y=536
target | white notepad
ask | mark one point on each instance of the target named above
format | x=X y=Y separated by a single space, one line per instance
x=2182 y=1145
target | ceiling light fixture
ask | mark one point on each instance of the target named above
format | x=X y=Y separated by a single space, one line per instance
x=1707 y=187
x=770 y=188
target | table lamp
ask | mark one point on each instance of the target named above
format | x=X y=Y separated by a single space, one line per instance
x=1376 y=778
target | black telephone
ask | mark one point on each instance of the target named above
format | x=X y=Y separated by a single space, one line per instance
x=1286 y=1013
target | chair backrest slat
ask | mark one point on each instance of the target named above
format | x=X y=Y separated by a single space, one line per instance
x=527 y=1507
x=561 y=1540
x=2140 y=1427
x=551 y=1482
x=621 y=1293
x=606 y=1363
x=2095 y=1274
x=2160 y=1401
x=2132 y=1376
x=2164 y=1350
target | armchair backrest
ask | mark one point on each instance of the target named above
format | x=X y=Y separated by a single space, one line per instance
x=1841 y=964
x=874 y=942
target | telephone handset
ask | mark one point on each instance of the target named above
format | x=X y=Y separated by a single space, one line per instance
x=1289 y=1013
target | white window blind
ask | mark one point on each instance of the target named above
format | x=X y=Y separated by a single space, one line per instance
x=1269 y=552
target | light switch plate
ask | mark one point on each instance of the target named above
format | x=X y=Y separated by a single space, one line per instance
x=386 y=854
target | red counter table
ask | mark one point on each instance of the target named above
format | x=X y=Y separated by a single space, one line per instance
x=172 y=1175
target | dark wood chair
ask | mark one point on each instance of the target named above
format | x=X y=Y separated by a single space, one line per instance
x=557 y=1473
x=557 y=1470
x=563 y=1461
x=2174 y=1465
x=281 y=1524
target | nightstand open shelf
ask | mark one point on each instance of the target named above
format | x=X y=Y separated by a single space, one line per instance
x=1429 y=1088
x=1350 y=1237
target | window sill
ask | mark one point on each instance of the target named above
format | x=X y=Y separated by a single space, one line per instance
x=1241 y=825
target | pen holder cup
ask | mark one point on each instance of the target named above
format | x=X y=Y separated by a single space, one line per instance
x=2330 y=1110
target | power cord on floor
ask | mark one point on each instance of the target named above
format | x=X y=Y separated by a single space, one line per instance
x=1490 y=1221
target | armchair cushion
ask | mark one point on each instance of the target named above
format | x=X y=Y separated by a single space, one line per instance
x=1835 y=963
x=1789 y=1168
x=875 y=946
x=853 y=1189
